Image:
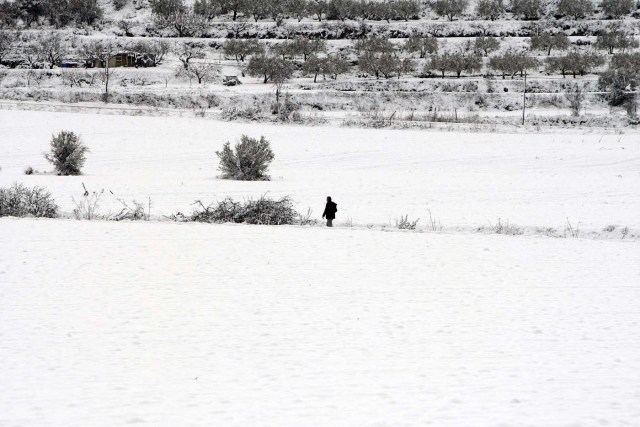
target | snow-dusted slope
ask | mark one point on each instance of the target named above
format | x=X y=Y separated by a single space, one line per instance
x=468 y=179
x=106 y=324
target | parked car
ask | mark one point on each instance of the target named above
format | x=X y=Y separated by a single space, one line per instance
x=231 y=81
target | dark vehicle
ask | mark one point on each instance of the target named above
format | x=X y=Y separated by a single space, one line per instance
x=231 y=81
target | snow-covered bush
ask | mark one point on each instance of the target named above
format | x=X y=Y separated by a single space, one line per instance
x=19 y=200
x=260 y=211
x=67 y=153
x=248 y=161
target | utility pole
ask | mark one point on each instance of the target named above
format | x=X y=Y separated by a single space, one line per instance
x=524 y=97
x=106 y=79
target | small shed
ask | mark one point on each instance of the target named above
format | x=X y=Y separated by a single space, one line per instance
x=120 y=59
x=125 y=59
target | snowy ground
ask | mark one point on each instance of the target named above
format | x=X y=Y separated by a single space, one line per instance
x=106 y=324
x=375 y=176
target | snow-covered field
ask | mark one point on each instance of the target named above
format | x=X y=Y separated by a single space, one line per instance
x=177 y=324
x=375 y=176
x=164 y=324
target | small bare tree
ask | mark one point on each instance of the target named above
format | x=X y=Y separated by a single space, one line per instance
x=35 y=76
x=51 y=48
x=101 y=51
x=201 y=71
x=575 y=95
x=188 y=51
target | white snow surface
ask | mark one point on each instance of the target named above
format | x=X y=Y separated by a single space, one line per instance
x=166 y=324
x=375 y=176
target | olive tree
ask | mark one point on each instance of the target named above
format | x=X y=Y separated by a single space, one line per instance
x=67 y=153
x=486 y=45
x=615 y=37
x=421 y=45
x=271 y=69
x=490 y=9
x=547 y=41
x=249 y=160
x=512 y=62
x=527 y=9
x=241 y=48
x=578 y=9
x=617 y=8
x=450 y=8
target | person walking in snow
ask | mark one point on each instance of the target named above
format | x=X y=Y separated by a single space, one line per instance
x=330 y=212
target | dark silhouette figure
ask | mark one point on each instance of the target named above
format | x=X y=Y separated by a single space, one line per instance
x=330 y=212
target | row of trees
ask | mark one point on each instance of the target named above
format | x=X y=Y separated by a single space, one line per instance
x=59 y=13
x=380 y=57
x=387 y=10
x=189 y=20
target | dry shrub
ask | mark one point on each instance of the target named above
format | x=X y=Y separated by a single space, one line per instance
x=19 y=200
x=260 y=211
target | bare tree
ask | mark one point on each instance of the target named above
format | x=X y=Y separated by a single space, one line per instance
x=51 y=48
x=202 y=71
x=77 y=78
x=158 y=49
x=237 y=28
x=101 y=52
x=188 y=51
x=35 y=76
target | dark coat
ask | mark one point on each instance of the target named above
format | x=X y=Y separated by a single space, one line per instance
x=330 y=210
